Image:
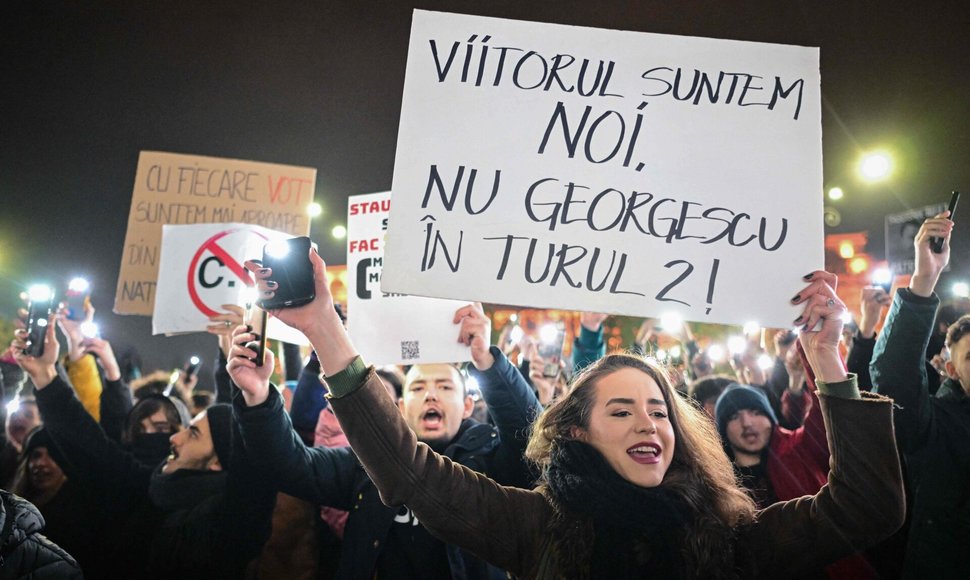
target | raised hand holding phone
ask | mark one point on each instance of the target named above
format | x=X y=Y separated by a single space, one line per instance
x=936 y=244
x=930 y=264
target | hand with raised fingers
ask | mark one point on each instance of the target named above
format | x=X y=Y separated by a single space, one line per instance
x=475 y=332
x=72 y=330
x=252 y=380
x=873 y=300
x=929 y=264
x=822 y=306
x=223 y=324
x=592 y=321
x=40 y=368
x=101 y=348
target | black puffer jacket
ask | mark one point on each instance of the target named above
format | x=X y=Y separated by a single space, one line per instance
x=24 y=551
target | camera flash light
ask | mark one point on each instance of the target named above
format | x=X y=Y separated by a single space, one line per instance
x=78 y=285
x=39 y=293
x=278 y=249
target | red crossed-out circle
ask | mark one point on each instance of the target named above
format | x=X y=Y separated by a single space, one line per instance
x=228 y=261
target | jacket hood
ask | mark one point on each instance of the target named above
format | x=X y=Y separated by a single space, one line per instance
x=18 y=520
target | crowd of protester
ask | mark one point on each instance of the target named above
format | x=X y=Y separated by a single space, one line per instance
x=827 y=451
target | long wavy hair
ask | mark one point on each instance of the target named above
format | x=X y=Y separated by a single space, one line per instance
x=700 y=473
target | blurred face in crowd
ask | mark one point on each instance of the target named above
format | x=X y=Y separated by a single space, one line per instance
x=157 y=423
x=20 y=423
x=44 y=473
x=435 y=402
x=958 y=367
x=192 y=448
x=748 y=432
x=630 y=426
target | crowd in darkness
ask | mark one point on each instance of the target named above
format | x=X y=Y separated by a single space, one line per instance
x=845 y=457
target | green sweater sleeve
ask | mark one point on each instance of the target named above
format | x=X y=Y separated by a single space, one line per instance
x=847 y=389
x=348 y=380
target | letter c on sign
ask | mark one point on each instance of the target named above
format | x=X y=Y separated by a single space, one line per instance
x=205 y=264
x=362 y=292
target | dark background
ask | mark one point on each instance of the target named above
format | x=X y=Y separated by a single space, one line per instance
x=87 y=85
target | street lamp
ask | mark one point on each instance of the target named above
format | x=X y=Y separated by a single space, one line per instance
x=875 y=166
x=339 y=232
x=314 y=210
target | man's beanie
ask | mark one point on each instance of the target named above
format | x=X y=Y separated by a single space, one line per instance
x=739 y=397
x=221 y=428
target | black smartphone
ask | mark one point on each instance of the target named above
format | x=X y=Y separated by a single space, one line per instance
x=192 y=366
x=551 y=343
x=76 y=298
x=256 y=318
x=38 y=315
x=936 y=244
x=292 y=272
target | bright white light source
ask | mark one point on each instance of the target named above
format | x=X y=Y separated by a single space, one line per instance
x=314 y=210
x=961 y=290
x=846 y=317
x=882 y=276
x=765 y=362
x=671 y=321
x=836 y=193
x=661 y=354
x=675 y=351
x=41 y=322
x=471 y=384
x=339 y=232
x=716 y=353
x=194 y=360
x=653 y=361
x=875 y=166
x=516 y=334
x=78 y=285
x=548 y=333
x=13 y=405
x=39 y=293
x=89 y=329
x=737 y=344
x=751 y=328
x=277 y=249
x=249 y=295
x=514 y=317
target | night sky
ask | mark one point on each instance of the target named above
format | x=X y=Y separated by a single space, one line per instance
x=87 y=85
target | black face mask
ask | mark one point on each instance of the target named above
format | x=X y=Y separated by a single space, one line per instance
x=151 y=448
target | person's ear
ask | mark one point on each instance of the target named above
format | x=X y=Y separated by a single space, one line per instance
x=214 y=464
x=400 y=405
x=579 y=434
x=951 y=370
x=469 y=407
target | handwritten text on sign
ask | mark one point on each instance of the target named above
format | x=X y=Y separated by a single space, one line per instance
x=632 y=173
x=177 y=189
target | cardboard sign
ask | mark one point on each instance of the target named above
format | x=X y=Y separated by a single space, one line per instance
x=201 y=268
x=583 y=169
x=177 y=189
x=901 y=230
x=391 y=328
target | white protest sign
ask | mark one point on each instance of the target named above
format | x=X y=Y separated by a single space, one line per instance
x=201 y=268
x=391 y=328
x=631 y=173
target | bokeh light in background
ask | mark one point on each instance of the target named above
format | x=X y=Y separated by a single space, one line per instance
x=339 y=232
x=875 y=166
x=961 y=290
x=836 y=193
x=314 y=210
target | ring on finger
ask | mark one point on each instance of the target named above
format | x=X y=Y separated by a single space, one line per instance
x=830 y=303
x=228 y=323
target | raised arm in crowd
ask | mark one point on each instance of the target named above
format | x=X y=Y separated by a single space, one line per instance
x=633 y=479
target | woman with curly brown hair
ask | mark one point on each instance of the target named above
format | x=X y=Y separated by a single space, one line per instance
x=634 y=480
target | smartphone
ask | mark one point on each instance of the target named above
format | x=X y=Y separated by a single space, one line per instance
x=76 y=298
x=292 y=272
x=192 y=366
x=936 y=244
x=551 y=342
x=38 y=314
x=256 y=319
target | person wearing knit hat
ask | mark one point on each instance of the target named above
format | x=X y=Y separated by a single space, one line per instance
x=206 y=445
x=744 y=420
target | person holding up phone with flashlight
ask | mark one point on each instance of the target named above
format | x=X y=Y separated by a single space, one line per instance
x=932 y=432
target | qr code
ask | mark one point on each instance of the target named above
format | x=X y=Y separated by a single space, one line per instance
x=410 y=349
